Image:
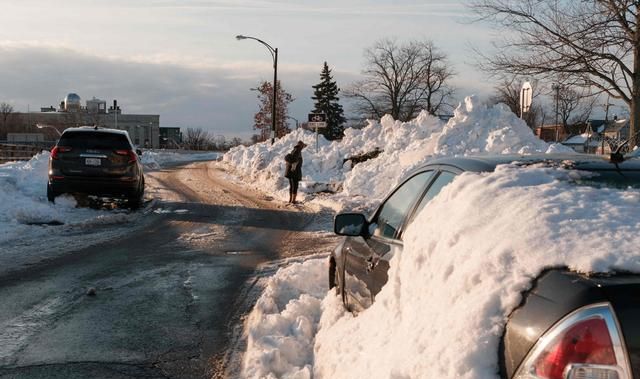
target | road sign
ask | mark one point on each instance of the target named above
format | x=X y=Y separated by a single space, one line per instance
x=317 y=117
x=317 y=120
x=526 y=94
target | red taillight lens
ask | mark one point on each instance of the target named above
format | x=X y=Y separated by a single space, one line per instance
x=585 y=342
x=132 y=155
x=59 y=149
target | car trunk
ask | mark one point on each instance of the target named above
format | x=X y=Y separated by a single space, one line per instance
x=623 y=292
x=558 y=292
x=94 y=154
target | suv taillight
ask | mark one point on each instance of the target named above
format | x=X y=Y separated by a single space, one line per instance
x=132 y=155
x=585 y=344
x=59 y=149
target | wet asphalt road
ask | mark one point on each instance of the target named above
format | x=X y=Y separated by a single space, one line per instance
x=167 y=296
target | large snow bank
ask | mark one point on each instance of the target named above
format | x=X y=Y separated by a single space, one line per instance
x=449 y=293
x=474 y=129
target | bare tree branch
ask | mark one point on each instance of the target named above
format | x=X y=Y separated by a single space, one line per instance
x=596 y=42
x=402 y=80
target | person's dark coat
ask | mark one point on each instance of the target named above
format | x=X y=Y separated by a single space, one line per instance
x=294 y=164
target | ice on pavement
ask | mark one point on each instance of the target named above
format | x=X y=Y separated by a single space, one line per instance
x=450 y=292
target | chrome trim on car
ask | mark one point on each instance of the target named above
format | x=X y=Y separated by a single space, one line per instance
x=83 y=155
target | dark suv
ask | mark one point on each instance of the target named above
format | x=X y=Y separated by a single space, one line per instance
x=569 y=325
x=96 y=161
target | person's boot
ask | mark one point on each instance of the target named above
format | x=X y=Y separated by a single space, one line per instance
x=294 y=198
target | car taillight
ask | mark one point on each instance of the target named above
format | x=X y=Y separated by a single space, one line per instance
x=586 y=344
x=59 y=149
x=132 y=155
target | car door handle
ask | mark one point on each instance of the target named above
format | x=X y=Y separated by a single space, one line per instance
x=371 y=264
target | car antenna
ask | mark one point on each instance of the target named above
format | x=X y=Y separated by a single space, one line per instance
x=617 y=156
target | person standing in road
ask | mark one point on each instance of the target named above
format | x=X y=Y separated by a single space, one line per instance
x=293 y=171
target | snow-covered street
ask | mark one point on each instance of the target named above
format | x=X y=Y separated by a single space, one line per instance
x=220 y=235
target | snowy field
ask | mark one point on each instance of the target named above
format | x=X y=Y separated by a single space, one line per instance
x=449 y=294
x=31 y=228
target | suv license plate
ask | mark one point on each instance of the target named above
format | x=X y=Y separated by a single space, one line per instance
x=93 y=162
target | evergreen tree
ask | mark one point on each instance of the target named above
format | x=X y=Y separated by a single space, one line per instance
x=325 y=96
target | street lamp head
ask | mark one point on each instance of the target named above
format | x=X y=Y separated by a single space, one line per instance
x=240 y=37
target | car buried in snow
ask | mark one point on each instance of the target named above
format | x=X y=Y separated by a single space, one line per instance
x=96 y=161
x=568 y=325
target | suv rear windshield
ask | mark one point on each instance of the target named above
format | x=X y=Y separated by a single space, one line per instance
x=95 y=140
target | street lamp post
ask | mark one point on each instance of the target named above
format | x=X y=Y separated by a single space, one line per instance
x=274 y=55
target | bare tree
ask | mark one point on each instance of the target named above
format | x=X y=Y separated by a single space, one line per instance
x=594 y=43
x=6 y=110
x=197 y=139
x=508 y=93
x=401 y=80
x=574 y=107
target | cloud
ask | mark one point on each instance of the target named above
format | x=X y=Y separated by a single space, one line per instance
x=215 y=97
x=184 y=92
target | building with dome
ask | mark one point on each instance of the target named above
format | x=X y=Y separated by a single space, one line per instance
x=71 y=103
x=144 y=129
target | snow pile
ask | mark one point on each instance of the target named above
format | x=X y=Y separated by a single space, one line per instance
x=23 y=201
x=474 y=129
x=449 y=293
x=284 y=322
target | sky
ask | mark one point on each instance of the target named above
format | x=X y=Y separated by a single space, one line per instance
x=180 y=58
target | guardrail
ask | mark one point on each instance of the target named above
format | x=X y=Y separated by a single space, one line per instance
x=18 y=152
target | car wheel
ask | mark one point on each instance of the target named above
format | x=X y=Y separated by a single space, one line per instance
x=137 y=200
x=51 y=195
x=334 y=278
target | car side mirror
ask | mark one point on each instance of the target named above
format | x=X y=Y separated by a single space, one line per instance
x=349 y=224
x=139 y=152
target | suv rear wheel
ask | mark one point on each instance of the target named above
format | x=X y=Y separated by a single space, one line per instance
x=137 y=200
x=51 y=195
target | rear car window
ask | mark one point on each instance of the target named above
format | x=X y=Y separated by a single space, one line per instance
x=95 y=140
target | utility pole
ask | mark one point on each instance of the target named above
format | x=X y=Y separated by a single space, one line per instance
x=556 y=87
x=606 y=120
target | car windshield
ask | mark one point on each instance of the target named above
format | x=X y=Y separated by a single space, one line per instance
x=95 y=140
